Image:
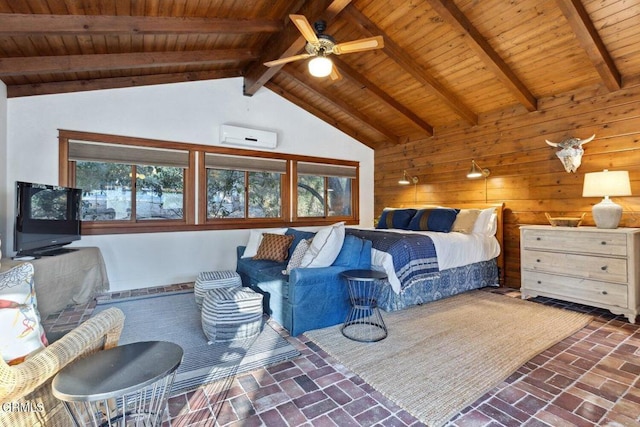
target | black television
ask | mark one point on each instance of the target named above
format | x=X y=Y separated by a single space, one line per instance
x=47 y=218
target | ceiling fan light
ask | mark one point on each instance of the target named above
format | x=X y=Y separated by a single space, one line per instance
x=320 y=66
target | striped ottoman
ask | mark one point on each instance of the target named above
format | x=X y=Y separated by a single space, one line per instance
x=212 y=280
x=231 y=313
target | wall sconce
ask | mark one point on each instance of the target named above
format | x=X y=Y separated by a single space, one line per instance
x=477 y=172
x=405 y=179
x=606 y=214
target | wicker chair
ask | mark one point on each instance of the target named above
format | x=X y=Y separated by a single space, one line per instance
x=25 y=389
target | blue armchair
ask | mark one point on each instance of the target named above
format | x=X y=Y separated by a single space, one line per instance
x=309 y=298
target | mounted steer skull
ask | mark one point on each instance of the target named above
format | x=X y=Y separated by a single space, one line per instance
x=571 y=153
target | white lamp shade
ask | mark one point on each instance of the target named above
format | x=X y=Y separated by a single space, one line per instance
x=606 y=183
x=606 y=214
x=320 y=66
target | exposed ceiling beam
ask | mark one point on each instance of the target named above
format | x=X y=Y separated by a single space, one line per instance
x=115 y=61
x=418 y=72
x=302 y=80
x=347 y=71
x=288 y=43
x=16 y=24
x=454 y=17
x=591 y=42
x=320 y=114
x=116 y=82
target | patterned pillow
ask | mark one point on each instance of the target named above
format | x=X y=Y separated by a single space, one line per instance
x=465 y=220
x=274 y=247
x=21 y=333
x=438 y=219
x=395 y=218
x=296 y=256
x=255 y=237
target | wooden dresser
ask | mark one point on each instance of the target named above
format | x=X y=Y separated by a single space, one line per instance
x=586 y=265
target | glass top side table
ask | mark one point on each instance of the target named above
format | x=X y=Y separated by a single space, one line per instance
x=126 y=385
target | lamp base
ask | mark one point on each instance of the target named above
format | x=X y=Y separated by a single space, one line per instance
x=607 y=214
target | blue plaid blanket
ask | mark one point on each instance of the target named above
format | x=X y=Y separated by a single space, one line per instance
x=414 y=255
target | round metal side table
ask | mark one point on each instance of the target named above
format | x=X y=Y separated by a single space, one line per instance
x=126 y=385
x=364 y=322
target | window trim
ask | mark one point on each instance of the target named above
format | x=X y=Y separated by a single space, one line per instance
x=194 y=192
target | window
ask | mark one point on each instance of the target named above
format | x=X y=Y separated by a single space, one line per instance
x=140 y=185
x=128 y=184
x=244 y=187
x=123 y=183
x=324 y=190
x=110 y=193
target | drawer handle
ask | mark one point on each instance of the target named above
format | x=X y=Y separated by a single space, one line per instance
x=603 y=243
x=603 y=268
x=537 y=260
x=539 y=282
x=604 y=292
x=538 y=238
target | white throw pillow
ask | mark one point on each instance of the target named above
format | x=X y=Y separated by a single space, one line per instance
x=255 y=238
x=325 y=247
x=484 y=223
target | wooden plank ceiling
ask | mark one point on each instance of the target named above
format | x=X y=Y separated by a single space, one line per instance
x=444 y=63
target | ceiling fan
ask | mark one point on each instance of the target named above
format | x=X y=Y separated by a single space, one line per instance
x=320 y=45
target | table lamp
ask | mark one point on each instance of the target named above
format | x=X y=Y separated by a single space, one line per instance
x=606 y=214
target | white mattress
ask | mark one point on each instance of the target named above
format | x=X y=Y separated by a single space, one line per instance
x=452 y=249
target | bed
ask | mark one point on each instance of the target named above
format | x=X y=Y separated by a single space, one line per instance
x=425 y=263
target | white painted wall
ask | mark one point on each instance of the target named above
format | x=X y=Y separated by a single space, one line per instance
x=5 y=241
x=184 y=112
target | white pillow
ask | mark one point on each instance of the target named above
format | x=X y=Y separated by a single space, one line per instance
x=325 y=247
x=484 y=223
x=255 y=238
x=493 y=225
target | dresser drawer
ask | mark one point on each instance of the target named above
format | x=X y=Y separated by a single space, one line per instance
x=575 y=241
x=585 y=266
x=572 y=288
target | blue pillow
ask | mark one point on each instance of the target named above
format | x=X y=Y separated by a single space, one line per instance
x=396 y=218
x=437 y=219
x=352 y=253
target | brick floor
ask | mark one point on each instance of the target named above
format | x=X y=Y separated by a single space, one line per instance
x=589 y=379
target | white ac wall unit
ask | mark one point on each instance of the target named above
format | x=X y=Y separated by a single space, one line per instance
x=236 y=135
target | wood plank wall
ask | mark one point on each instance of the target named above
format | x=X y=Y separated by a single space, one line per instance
x=525 y=173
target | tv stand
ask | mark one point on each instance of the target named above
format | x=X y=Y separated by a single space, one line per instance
x=74 y=277
x=53 y=252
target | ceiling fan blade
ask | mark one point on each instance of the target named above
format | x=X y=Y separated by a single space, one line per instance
x=335 y=75
x=286 y=60
x=361 y=45
x=305 y=28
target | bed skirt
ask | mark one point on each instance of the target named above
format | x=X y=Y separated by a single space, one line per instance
x=441 y=285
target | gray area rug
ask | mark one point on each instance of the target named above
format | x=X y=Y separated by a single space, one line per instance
x=442 y=356
x=175 y=317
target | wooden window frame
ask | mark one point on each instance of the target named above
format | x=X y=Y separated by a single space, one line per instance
x=195 y=189
x=67 y=177
x=326 y=218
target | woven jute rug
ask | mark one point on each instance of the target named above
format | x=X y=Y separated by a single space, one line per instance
x=442 y=356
